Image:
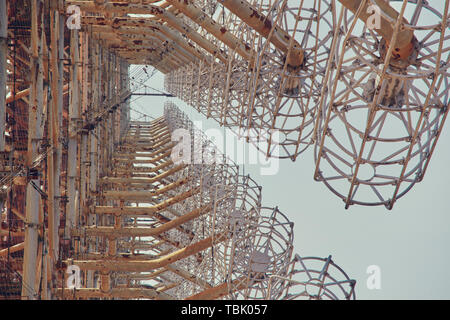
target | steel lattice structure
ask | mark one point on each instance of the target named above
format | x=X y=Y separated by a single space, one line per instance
x=385 y=112
x=153 y=210
x=313 y=278
x=374 y=115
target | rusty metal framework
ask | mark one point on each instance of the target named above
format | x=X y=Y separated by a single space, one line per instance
x=373 y=112
x=279 y=87
x=362 y=84
x=385 y=110
x=313 y=278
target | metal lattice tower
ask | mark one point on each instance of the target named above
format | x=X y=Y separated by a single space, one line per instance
x=153 y=209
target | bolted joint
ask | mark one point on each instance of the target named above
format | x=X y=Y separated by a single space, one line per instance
x=403 y=56
x=295 y=59
x=33 y=173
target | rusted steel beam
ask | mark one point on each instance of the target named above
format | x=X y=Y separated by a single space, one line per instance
x=12 y=249
x=19 y=95
x=169 y=61
x=145 y=56
x=139 y=246
x=173 y=21
x=156 y=133
x=219 y=31
x=142 y=276
x=263 y=25
x=120 y=256
x=145 y=169
x=161 y=55
x=145 y=24
x=131 y=155
x=143 y=180
x=404 y=43
x=145 y=210
x=220 y=290
x=153 y=160
x=160 y=13
x=168 y=287
x=6 y=232
x=179 y=49
x=189 y=276
x=156 y=141
x=123 y=293
x=104 y=33
x=144 y=27
x=18 y=214
x=143 y=195
x=112 y=232
x=148 y=265
x=54 y=124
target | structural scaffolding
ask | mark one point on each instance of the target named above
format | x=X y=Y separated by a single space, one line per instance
x=127 y=209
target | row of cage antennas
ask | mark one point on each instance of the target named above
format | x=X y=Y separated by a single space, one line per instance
x=372 y=112
x=259 y=258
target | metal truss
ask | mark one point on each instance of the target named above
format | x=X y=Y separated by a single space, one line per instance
x=313 y=278
x=83 y=185
x=384 y=111
x=374 y=114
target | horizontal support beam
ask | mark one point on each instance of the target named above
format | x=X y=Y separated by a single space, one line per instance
x=190 y=10
x=112 y=232
x=12 y=249
x=149 y=265
x=143 y=180
x=123 y=293
x=143 y=169
x=159 y=12
x=189 y=276
x=386 y=30
x=145 y=210
x=220 y=290
x=263 y=25
x=141 y=276
x=119 y=256
x=143 y=195
x=149 y=161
